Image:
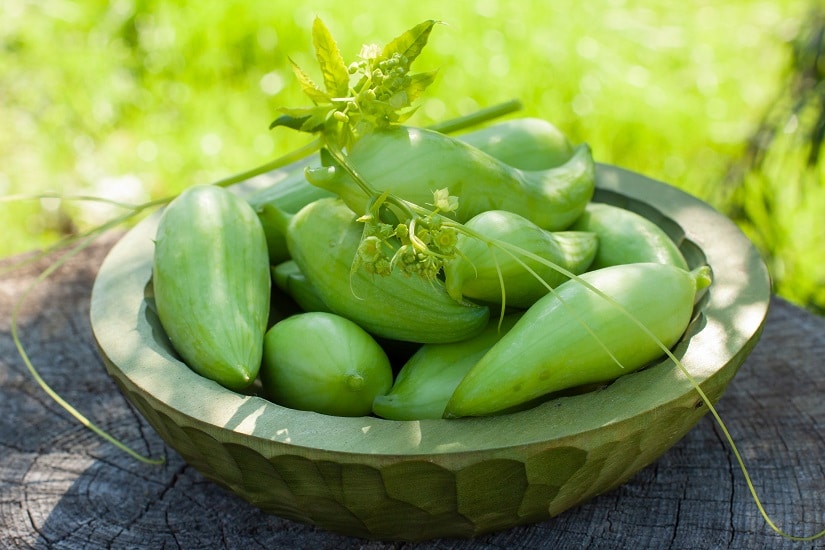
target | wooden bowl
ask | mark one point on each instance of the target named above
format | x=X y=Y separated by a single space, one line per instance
x=413 y=480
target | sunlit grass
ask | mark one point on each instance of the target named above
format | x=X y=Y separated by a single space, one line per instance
x=142 y=99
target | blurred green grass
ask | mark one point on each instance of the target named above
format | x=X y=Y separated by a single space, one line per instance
x=137 y=99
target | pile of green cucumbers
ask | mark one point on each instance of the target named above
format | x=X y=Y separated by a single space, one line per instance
x=528 y=287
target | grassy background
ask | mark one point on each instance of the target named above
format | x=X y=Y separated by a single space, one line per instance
x=136 y=99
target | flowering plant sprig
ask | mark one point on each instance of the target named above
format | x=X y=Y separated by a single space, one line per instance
x=372 y=92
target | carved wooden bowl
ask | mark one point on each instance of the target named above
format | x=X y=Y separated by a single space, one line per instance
x=413 y=480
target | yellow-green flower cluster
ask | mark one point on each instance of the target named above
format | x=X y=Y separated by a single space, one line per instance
x=420 y=246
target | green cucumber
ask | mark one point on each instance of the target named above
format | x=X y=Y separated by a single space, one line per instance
x=212 y=285
x=289 y=194
x=575 y=336
x=411 y=163
x=322 y=362
x=323 y=239
x=287 y=276
x=525 y=143
x=626 y=237
x=480 y=271
x=428 y=378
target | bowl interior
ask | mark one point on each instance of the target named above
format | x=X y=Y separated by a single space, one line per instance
x=726 y=324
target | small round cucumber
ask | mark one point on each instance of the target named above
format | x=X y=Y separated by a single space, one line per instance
x=322 y=362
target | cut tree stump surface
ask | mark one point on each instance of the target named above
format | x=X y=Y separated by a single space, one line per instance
x=61 y=486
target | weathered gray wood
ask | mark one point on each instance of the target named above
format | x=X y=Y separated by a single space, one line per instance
x=63 y=487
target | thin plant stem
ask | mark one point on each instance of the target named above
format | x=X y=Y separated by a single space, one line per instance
x=83 y=244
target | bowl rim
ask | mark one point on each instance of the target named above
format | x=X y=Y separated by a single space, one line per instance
x=733 y=315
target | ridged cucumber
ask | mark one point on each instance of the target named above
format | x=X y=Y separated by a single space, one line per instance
x=212 y=284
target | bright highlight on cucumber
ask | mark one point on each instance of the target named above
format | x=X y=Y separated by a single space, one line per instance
x=484 y=250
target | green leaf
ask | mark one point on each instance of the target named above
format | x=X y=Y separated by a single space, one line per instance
x=410 y=43
x=315 y=93
x=418 y=83
x=318 y=120
x=289 y=121
x=336 y=76
x=306 y=119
